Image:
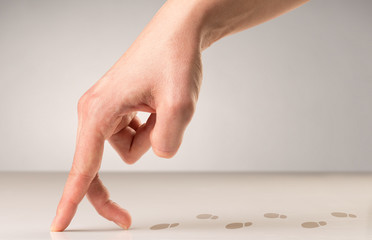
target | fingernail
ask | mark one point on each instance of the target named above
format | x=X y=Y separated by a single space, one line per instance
x=122 y=226
x=151 y=121
x=53 y=229
x=52 y=226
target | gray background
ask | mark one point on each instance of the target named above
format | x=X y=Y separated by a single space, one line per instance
x=293 y=94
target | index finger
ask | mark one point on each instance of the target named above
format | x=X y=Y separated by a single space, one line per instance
x=87 y=161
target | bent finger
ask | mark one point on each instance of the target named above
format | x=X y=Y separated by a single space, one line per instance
x=170 y=126
x=134 y=140
x=99 y=196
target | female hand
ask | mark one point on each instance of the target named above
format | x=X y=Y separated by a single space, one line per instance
x=160 y=74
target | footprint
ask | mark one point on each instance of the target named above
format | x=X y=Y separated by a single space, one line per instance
x=343 y=215
x=313 y=224
x=274 y=215
x=238 y=225
x=206 y=216
x=164 y=226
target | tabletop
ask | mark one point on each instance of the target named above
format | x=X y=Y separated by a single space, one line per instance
x=197 y=206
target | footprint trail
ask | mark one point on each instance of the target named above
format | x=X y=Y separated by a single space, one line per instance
x=313 y=224
x=274 y=215
x=206 y=216
x=343 y=215
x=164 y=226
x=238 y=225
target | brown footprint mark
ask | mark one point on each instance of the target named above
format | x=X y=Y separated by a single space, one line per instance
x=206 y=216
x=164 y=226
x=274 y=215
x=313 y=224
x=238 y=225
x=343 y=215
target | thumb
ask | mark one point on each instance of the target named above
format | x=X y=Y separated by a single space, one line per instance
x=171 y=122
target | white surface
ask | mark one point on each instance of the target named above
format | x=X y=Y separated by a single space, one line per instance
x=28 y=203
x=293 y=94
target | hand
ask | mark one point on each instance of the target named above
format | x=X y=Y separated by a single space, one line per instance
x=160 y=74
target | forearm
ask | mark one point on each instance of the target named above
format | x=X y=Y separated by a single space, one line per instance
x=211 y=20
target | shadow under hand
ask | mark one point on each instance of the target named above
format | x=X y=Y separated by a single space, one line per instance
x=107 y=233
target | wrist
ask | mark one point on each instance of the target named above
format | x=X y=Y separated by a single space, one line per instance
x=197 y=20
x=190 y=20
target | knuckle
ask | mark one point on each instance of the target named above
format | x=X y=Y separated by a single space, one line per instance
x=130 y=158
x=184 y=108
x=127 y=157
x=82 y=101
x=89 y=103
x=87 y=173
x=101 y=205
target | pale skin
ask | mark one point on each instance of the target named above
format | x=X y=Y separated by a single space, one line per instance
x=161 y=74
